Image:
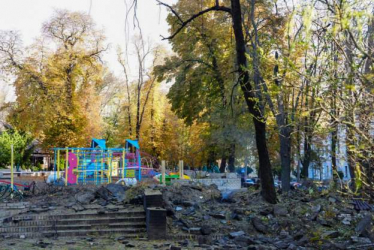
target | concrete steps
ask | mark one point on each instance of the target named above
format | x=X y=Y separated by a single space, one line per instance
x=129 y=223
x=90 y=221
x=131 y=234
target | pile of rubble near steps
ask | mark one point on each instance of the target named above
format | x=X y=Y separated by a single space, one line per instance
x=129 y=223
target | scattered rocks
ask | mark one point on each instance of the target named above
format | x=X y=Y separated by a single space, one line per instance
x=330 y=234
x=236 y=234
x=103 y=193
x=301 y=219
x=85 y=198
x=345 y=218
x=332 y=199
x=218 y=216
x=77 y=207
x=41 y=244
x=39 y=210
x=244 y=241
x=280 y=210
x=361 y=240
x=364 y=224
x=317 y=208
x=259 y=225
x=117 y=190
x=281 y=244
x=206 y=230
x=175 y=248
x=266 y=211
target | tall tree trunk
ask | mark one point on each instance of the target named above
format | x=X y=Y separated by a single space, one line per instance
x=285 y=155
x=265 y=172
x=284 y=134
x=69 y=85
x=137 y=127
x=350 y=116
x=222 y=167
x=211 y=159
x=334 y=112
x=298 y=143
x=334 y=139
x=351 y=158
x=153 y=127
x=232 y=158
x=307 y=155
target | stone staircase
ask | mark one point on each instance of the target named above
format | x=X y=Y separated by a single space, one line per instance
x=129 y=223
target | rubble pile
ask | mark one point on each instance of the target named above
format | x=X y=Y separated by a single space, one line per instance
x=302 y=219
x=51 y=199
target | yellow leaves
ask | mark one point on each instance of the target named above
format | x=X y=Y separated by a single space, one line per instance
x=305 y=114
x=350 y=87
x=307 y=20
x=318 y=99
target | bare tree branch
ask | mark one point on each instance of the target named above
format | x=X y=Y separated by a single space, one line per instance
x=217 y=7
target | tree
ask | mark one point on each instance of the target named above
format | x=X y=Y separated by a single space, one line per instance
x=56 y=87
x=246 y=81
x=203 y=80
x=22 y=148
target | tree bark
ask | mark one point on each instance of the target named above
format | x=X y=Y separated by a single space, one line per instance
x=284 y=134
x=222 y=167
x=232 y=158
x=265 y=172
x=285 y=155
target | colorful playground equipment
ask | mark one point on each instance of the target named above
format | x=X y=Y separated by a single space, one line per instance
x=98 y=164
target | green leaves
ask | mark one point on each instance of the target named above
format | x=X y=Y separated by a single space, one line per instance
x=21 y=144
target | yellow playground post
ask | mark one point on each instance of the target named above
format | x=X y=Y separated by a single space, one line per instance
x=109 y=169
x=123 y=164
x=58 y=164
x=102 y=167
x=11 y=167
x=66 y=166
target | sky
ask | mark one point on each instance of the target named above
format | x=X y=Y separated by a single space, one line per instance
x=27 y=17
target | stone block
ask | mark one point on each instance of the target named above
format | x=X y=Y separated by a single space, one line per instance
x=156 y=223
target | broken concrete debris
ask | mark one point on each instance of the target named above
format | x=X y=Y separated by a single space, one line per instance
x=241 y=219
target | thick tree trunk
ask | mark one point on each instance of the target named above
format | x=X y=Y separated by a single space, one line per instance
x=284 y=134
x=211 y=159
x=307 y=156
x=222 y=167
x=265 y=172
x=232 y=158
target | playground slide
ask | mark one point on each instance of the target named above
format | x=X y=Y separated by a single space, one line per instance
x=92 y=167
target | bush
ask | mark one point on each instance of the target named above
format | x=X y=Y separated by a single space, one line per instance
x=20 y=142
